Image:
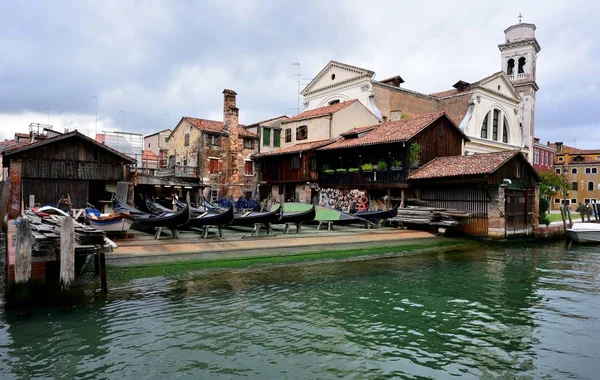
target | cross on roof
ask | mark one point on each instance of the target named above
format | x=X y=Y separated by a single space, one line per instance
x=520 y=17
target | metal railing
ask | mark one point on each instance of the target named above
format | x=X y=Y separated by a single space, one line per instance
x=364 y=178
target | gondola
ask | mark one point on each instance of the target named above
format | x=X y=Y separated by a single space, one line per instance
x=198 y=220
x=297 y=216
x=324 y=214
x=170 y=220
x=251 y=218
x=157 y=208
x=119 y=207
x=112 y=223
x=378 y=215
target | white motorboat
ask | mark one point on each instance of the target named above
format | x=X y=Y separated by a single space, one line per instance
x=585 y=233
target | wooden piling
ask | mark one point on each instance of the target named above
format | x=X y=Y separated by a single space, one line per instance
x=24 y=244
x=67 y=253
x=563 y=215
x=569 y=215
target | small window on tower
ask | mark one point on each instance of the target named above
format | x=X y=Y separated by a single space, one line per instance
x=510 y=67
x=522 y=61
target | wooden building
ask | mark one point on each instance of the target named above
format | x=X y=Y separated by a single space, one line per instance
x=70 y=164
x=500 y=189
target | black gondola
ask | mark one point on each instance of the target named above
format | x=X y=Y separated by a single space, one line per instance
x=198 y=220
x=157 y=208
x=299 y=216
x=170 y=220
x=253 y=217
x=378 y=215
x=119 y=207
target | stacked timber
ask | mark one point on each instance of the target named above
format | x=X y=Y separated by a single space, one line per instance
x=433 y=216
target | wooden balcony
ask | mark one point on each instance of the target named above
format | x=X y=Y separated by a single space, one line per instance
x=369 y=179
x=178 y=171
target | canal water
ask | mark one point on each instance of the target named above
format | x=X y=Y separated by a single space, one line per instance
x=486 y=312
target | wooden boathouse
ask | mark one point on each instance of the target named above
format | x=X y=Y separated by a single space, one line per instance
x=500 y=189
x=68 y=166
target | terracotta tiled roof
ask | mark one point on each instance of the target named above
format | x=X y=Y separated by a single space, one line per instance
x=358 y=130
x=297 y=148
x=579 y=159
x=217 y=127
x=148 y=155
x=389 y=132
x=454 y=166
x=322 y=111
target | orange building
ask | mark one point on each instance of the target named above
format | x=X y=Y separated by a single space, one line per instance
x=582 y=170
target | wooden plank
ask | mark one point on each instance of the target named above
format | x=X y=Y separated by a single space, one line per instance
x=24 y=245
x=67 y=253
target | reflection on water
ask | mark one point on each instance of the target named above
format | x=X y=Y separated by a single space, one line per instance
x=503 y=311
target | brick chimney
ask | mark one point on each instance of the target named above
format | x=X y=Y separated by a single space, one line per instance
x=230 y=122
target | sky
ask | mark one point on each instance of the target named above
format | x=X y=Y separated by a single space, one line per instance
x=145 y=64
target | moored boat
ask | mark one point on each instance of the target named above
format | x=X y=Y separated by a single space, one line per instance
x=584 y=233
x=323 y=214
x=254 y=217
x=297 y=216
x=169 y=220
x=211 y=219
x=109 y=223
x=378 y=215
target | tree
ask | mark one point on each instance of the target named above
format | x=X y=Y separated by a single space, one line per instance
x=551 y=184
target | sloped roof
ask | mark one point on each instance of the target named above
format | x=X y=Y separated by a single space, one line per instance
x=156 y=133
x=266 y=121
x=317 y=77
x=216 y=127
x=389 y=132
x=322 y=111
x=454 y=91
x=75 y=133
x=147 y=154
x=456 y=166
x=297 y=148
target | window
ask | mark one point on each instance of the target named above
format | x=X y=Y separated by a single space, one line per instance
x=574 y=171
x=277 y=138
x=590 y=186
x=594 y=170
x=214 y=140
x=248 y=144
x=573 y=200
x=214 y=166
x=336 y=101
x=266 y=137
x=505 y=131
x=166 y=138
x=510 y=67
x=484 y=128
x=301 y=133
x=186 y=140
x=557 y=171
x=586 y=200
x=556 y=200
x=148 y=145
x=573 y=185
x=295 y=163
x=248 y=168
x=560 y=159
x=495 y=125
x=588 y=170
x=522 y=65
x=535 y=156
x=288 y=135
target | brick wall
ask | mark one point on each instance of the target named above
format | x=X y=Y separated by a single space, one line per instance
x=14 y=201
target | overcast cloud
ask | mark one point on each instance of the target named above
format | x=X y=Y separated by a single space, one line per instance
x=155 y=58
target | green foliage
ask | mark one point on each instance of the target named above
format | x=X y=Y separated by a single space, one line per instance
x=325 y=167
x=353 y=170
x=552 y=183
x=544 y=219
x=544 y=206
x=414 y=153
x=341 y=171
x=367 y=167
x=381 y=166
x=397 y=164
x=403 y=116
x=329 y=171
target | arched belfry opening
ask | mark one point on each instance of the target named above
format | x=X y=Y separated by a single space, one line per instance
x=510 y=67
x=522 y=61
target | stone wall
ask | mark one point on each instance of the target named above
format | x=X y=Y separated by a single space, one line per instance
x=496 y=213
x=14 y=200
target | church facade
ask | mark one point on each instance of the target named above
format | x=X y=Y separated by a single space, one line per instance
x=496 y=112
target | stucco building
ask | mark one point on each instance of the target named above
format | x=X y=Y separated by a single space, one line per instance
x=496 y=112
x=543 y=155
x=155 y=147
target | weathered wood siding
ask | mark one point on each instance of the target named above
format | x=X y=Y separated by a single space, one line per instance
x=278 y=169
x=49 y=191
x=43 y=168
x=440 y=139
x=516 y=168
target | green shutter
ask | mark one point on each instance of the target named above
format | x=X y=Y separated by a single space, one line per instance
x=266 y=137
x=277 y=138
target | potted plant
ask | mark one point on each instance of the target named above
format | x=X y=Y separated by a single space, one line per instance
x=367 y=167
x=414 y=154
x=381 y=166
x=341 y=171
x=329 y=171
x=324 y=168
x=397 y=165
x=353 y=170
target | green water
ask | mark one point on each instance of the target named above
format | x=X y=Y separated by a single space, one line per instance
x=509 y=312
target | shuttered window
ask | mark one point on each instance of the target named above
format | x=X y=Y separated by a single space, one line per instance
x=214 y=166
x=248 y=168
x=277 y=138
x=301 y=133
x=266 y=137
x=288 y=135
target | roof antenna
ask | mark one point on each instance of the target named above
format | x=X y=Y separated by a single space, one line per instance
x=298 y=93
x=520 y=17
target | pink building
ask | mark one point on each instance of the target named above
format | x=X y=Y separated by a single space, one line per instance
x=543 y=156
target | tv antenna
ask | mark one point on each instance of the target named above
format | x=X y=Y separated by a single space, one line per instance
x=298 y=78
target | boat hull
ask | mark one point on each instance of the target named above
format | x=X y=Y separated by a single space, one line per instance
x=584 y=236
x=211 y=219
x=114 y=225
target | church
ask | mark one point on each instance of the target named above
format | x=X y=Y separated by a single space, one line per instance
x=496 y=112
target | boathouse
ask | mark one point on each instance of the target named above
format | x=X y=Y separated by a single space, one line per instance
x=500 y=189
x=70 y=166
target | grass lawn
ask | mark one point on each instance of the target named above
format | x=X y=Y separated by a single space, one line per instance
x=556 y=217
x=118 y=274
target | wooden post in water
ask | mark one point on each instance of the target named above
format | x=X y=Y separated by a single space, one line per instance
x=23 y=266
x=563 y=215
x=67 y=253
x=569 y=215
x=582 y=212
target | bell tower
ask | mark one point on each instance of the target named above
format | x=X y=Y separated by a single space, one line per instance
x=518 y=60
